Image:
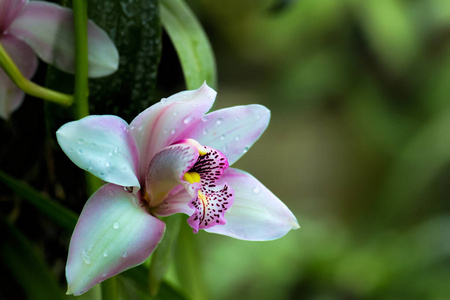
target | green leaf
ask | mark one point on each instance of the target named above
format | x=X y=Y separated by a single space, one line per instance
x=135 y=29
x=59 y=214
x=26 y=266
x=134 y=283
x=191 y=43
x=163 y=255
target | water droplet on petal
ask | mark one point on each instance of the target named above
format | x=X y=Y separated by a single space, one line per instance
x=238 y=137
x=219 y=121
x=173 y=131
x=140 y=128
x=256 y=190
x=105 y=253
x=225 y=148
x=80 y=151
x=205 y=131
x=188 y=119
x=108 y=164
x=116 y=225
x=90 y=248
x=163 y=100
x=175 y=113
x=125 y=254
x=101 y=173
x=245 y=149
x=132 y=128
x=104 y=274
x=116 y=149
x=86 y=257
x=80 y=141
x=222 y=137
x=205 y=118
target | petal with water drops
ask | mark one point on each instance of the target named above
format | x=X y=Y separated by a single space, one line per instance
x=257 y=214
x=112 y=235
x=103 y=146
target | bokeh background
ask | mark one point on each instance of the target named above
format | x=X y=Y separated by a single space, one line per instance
x=358 y=147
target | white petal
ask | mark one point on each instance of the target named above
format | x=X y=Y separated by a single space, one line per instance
x=103 y=146
x=257 y=214
x=112 y=235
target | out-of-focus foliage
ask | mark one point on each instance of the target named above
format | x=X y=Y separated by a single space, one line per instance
x=359 y=145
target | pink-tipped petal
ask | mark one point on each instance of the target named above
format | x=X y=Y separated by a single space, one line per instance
x=257 y=214
x=23 y=56
x=112 y=235
x=48 y=28
x=231 y=130
x=164 y=123
x=103 y=146
x=9 y=9
x=166 y=170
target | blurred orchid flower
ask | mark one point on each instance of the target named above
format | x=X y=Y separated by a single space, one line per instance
x=45 y=29
x=172 y=158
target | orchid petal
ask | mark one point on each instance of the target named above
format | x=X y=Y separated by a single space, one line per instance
x=257 y=214
x=166 y=170
x=9 y=9
x=48 y=29
x=231 y=130
x=165 y=122
x=112 y=235
x=23 y=56
x=177 y=202
x=103 y=146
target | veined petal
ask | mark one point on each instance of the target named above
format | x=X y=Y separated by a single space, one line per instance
x=176 y=202
x=23 y=56
x=112 y=235
x=166 y=170
x=257 y=214
x=165 y=122
x=103 y=146
x=231 y=130
x=48 y=29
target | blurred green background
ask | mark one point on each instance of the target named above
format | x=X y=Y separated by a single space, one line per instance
x=358 y=146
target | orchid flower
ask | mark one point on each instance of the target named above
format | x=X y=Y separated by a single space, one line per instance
x=45 y=29
x=172 y=158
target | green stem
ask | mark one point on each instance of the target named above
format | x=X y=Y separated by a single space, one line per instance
x=29 y=87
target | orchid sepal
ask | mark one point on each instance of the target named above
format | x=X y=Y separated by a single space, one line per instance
x=113 y=234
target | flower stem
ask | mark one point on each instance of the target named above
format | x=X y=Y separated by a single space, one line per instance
x=29 y=87
x=81 y=59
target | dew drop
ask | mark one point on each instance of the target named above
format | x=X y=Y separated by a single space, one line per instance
x=116 y=225
x=86 y=257
x=256 y=190
x=132 y=128
x=238 y=137
x=104 y=274
x=125 y=254
x=173 y=131
x=163 y=100
x=245 y=149
x=222 y=137
x=108 y=164
x=188 y=119
x=90 y=248
x=205 y=131
x=80 y=141
x=140 y=128
x=101 y=173
x=80 y=151
x=116 y=149
x=225 y=148
x=219 y=121
x=205 y=118
x=175 y=113
x=105 y=253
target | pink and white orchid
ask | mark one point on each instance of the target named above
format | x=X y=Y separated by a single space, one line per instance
x=45 y=29
x=172 y=158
